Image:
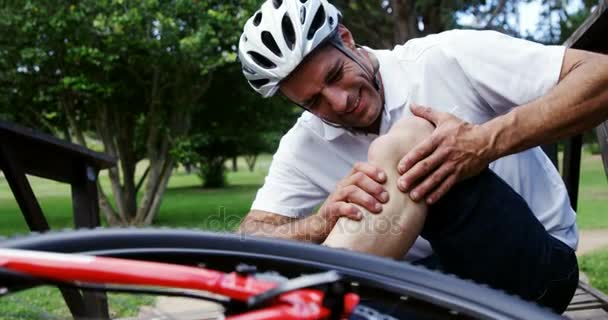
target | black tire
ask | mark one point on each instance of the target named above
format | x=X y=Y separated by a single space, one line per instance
x=379 y=277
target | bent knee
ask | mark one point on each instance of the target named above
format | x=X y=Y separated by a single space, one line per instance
x=413 y=125
x=402 y=137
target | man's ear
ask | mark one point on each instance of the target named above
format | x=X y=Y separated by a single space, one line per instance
x=346 y=36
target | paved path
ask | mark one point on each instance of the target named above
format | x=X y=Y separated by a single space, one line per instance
x=590 y=240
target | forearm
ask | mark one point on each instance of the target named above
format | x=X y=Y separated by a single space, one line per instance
x=577 y=103
x=311 y=229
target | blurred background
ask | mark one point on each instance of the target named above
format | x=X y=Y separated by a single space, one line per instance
x=157 y=85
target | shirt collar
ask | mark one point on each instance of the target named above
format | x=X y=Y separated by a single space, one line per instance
x=394 y=95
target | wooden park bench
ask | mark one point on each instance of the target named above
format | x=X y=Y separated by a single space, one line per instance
x=25 y=151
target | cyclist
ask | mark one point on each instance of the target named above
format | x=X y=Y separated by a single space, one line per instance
x=511 y=227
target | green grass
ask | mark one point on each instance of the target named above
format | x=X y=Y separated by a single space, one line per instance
x=185 y=203
x=47 y=303
x=595 y=265
x=593 y=194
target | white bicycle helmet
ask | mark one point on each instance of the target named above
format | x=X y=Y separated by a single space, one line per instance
x=278 y=37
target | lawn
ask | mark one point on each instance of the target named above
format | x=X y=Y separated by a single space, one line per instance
x=595 y=265
x=187 y=205
x=593 y=194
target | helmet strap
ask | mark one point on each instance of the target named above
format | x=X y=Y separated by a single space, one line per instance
x=337 y=43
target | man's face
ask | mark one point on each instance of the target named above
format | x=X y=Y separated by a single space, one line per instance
x=335 y=88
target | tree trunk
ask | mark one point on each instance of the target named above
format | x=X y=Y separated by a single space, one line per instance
x=157 y=172
x=156 y=202
x=212 y=172
x=104 y=130
x=106 y=208
x=155 y=156
x=68 y=107
x=432 y=19
x=234 y=164
x=251 y=160
x=404 y=20
x=125 y=134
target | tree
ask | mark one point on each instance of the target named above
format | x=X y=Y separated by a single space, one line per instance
x=384 y=23
x=130 y=72
x=232 y=120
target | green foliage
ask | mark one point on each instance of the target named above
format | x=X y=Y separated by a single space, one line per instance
x=383 y=24
x=209 y=153
x=130 y=72
x=233 y=120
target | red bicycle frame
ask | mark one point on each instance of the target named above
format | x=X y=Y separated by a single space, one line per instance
x=70 y=268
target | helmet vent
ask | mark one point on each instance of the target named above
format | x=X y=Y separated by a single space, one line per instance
x=317 y=22
x=303 y=1
x=277 y=3
x=258 y=83
x=302 y=15
x=288 y=33
x=331 y=21
x=247 y=69
x=270 y=43
x=257 y=19
x=261 y=60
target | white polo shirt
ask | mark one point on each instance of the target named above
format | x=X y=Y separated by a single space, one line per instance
x=475 y=75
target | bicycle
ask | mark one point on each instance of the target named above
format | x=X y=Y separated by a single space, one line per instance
x=251 y=277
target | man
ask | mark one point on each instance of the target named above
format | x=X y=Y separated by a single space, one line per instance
x=352 y=144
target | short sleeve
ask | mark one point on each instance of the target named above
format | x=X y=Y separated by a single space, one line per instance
x=286 y=190
x=505 y=71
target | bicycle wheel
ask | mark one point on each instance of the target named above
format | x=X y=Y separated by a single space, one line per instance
x=410 y=292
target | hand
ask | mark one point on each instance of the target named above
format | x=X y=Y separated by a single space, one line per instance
x=456 y=150
x=363 y=187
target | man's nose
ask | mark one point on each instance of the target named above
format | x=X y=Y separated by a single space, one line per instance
x=336 y=97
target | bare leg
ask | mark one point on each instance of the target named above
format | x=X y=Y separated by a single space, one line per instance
x=393 y=231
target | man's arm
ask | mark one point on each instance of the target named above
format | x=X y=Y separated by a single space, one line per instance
x=579 y=102
x=267 y=224
x=457 y=150
x=362 y=187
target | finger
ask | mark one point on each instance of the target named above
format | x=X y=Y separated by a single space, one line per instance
x=356 y=195
x=447 y=184
x=415 y=155
x=348 y=210
x=370 y=170
x=432 y=182
x=426 y=112
x=368 y=185
x=419 y=171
